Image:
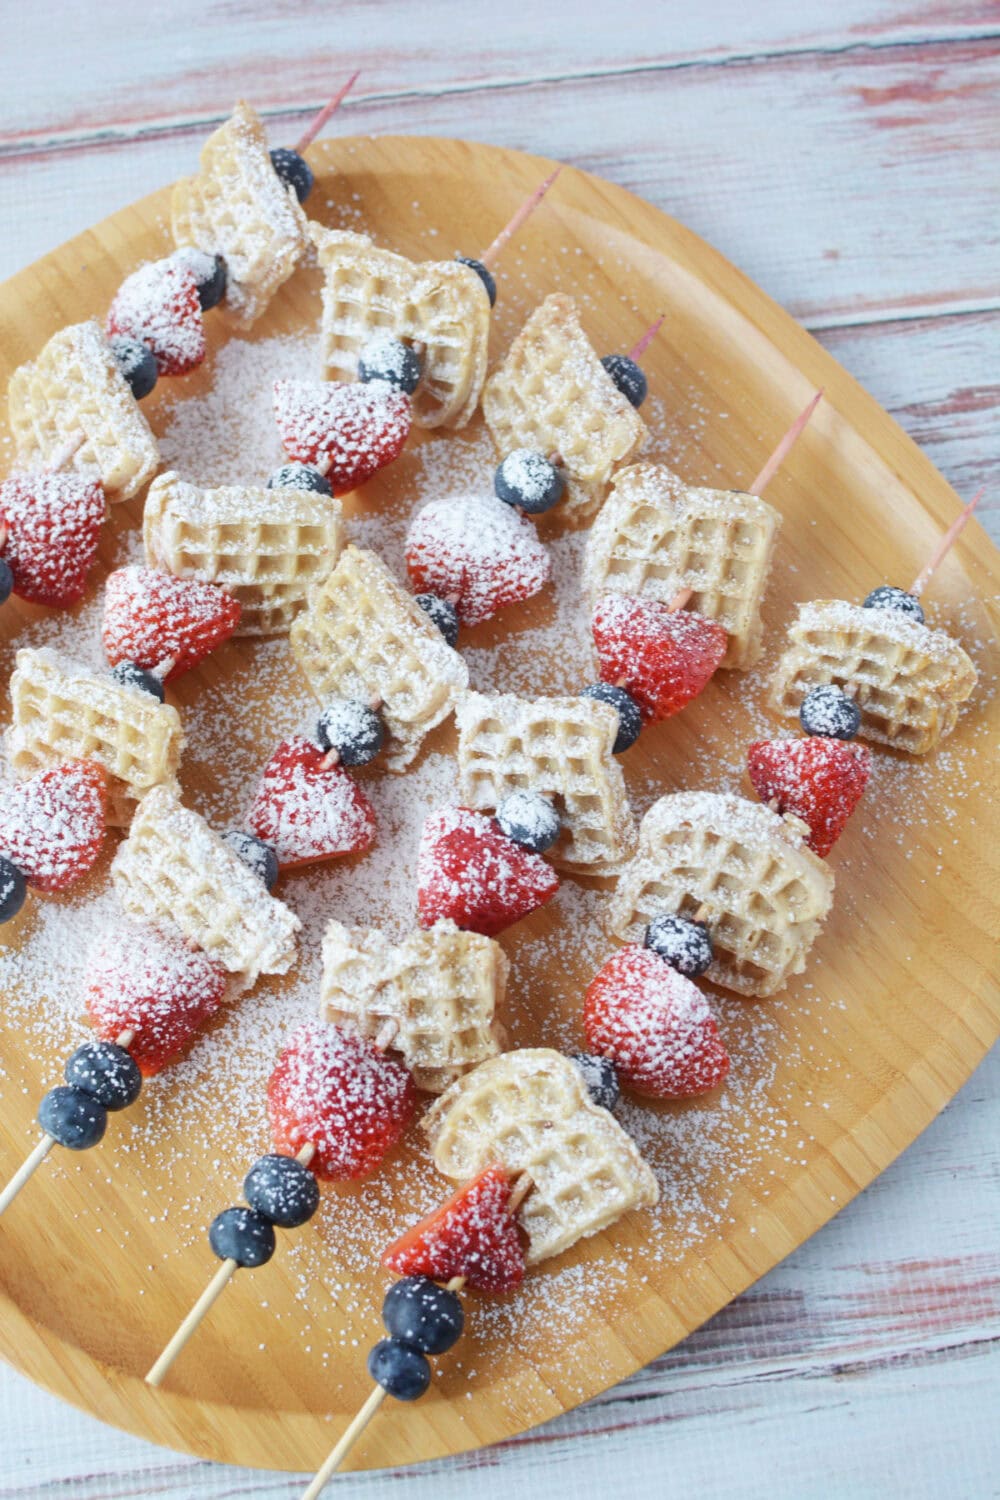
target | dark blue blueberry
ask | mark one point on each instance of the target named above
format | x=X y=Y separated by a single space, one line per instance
x=601 y=1077
x=13 y=889
x=399 y=1369
x=627 y=376
x=255 y=854
x=354 y=730
x=242 y=1235
x=136 y=362
x=681 y=943
x=209 y=272
x=419 y=1312
x=529 y=819
x=828 y=711
x=625 y=706
x=529 y=480
x=299 y=477
x=293 y=170
x=129 y=675
x=443 y=613
x=889 y=597
x=6 y=581
x=72 y=1118
x=484 y=273
x=105 y=1071
x=389 y=359
x=282 y=1190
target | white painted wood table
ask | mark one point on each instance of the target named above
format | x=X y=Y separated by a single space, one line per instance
x=847 y=157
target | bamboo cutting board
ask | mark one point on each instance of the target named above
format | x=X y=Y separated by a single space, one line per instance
x=103 y=1252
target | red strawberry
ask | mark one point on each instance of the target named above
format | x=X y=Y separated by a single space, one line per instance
x=470 y=871
x=147 y=980
x=53 y=524
x=477 y=550
x=358 y=428
x=149 y=616
x=332 y=1088
x=655 y=1025
x=159 y=305
x=52 y=826
x=663 y=657
x=819 y=780
x=473 y=1235
x=306 y=811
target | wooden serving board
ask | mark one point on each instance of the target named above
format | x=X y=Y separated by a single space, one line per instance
x=102 y=1253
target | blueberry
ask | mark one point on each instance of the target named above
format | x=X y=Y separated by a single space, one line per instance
x=209 y=272
x=255 y=854
x=601 y=1077
x=681 y=943
x=6 y=581
x=75 y=1119
x=443 y=613
x=105 y=1071
x=282 y=1190
x=299 y=477
x=13 y=889
x=889 y=597
x=389 y=359
x=484 y=273
x=828 y=711
x=419 y=1312
x=627 y=376
x=242 y=1235
x=351 y=728
x=293 y=170
x=129 y=675
x=529 y=819
x=399 y=1369
x=136 y=362
x=625 y=706
x=530 y=480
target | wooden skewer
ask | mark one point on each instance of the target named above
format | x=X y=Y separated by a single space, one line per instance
x=223 y=1276
x=785 y=447
x=316 y=124
x=72 y=445
x=926 y=573
x=491 y=254
x=638 y=349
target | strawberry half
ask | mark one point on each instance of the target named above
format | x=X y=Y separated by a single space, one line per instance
x=146 y=979
x=469 y=871
x=53 y=524
x=477 y=551
x=159 y=305
x=473 y=1235
x=150 y=616
x=333 y=1089
x=662 y=657
x=655 y=1025
x=357 y=429
x=306 y=811
x=820 y=780
x=52 y=826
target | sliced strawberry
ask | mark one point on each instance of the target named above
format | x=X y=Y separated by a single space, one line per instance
x=150 y=616
x=159 y=305
x=333 y=1089
x=655 y=1025
x=357 y=429
x=307 y=811
x=470 y=871
x=663 y=657
x=53 y=524
x=52 y=826
x=473 y=1235
x=479 y=552
x=819 y=780
x=146 y=980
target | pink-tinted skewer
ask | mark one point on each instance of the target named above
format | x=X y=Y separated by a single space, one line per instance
x=785 y=447
x=638 y=350
x=925 y=575
x=62 y=456
x=490 y=256
x=316 y=125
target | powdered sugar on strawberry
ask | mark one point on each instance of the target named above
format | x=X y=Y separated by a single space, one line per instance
x=308 y=811
x=159 y=305
x=663 y=657
x=52 y=826
x=478 y=551
x=816 y=779
x=352 y=431
x=473 y=1235
x=469 y=871
x=150 y=615
x=53 y=524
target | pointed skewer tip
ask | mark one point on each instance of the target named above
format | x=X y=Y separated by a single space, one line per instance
x=945 y=545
